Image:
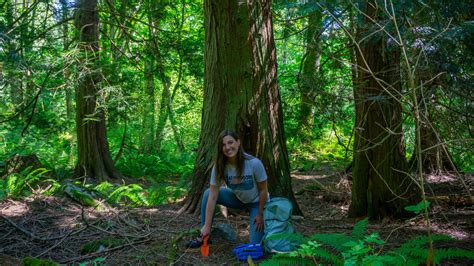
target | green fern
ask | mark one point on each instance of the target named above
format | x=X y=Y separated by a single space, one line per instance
x=133 y=192
x=104 y=189
x=360 y=228
x=451 y=253
x=335 y=241
x=362 y=249
x=312 y=249
x=416 y=249
x=286 y=260
x=18 y=183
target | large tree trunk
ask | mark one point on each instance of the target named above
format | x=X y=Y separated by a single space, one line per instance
x=241 y=92
x=381 y=186
x=93 y=150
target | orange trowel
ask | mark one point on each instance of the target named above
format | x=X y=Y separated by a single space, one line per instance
x=205 y=247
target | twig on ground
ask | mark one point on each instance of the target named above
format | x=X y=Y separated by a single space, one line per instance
x=60 y=241
x=91 y=255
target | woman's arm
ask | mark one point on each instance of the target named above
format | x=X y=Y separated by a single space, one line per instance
x=210 y=207
x=262 y=200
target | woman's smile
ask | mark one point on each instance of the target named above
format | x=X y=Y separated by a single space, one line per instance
x=230 y=146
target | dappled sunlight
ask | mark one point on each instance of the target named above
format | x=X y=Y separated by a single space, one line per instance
x=443 y=178
x=452 y=231
x=16 y=209
x=442 y=227
x=307 y=177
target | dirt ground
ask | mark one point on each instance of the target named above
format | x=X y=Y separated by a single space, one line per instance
x=58 y=228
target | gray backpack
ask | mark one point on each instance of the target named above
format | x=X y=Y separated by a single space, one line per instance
x=278 y=226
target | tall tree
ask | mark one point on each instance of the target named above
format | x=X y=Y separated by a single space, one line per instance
x=241 y=92
x=65 y=31
x=94 y=158
x=148 y=123
x=381 y=186
x=309 y=77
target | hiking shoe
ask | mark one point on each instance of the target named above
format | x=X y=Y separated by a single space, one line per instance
x=196 y=242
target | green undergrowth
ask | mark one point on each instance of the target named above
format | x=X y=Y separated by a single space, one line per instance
x=361 y=248
x=159 y=179
x=22 y=184
x=29 y=261
x=325 y=153
x=103 y=243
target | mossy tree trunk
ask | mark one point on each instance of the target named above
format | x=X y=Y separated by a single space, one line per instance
x=94 y=160
x=381 y=186
x=241 y=93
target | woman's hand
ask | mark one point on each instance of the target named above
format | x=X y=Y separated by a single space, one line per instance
x=205 y=230
x=258 y=222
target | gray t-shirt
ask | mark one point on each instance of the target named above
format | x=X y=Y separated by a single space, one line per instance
x=245 y=186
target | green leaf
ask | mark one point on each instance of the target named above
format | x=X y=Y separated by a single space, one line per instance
x=419 y=207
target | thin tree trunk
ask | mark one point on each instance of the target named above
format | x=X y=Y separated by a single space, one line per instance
x=310 y=76
x=13 y=78
x=65 y=28
x=163 y=112
x=148 y=122
x=241 y=93
x=435 y=156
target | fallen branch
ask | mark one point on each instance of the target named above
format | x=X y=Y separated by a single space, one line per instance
x=28 y=233
x=94 y=254
x=60 y=241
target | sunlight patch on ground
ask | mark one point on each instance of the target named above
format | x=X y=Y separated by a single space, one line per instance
x=308 y=177
x=453 y=232
x=16 y=210
x=436 y=179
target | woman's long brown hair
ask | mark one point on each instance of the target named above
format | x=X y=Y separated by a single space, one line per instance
x=221 y=159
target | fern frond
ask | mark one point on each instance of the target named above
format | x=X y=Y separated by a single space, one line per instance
x=360 y=228
x=336 y=241
x=422 y=241
x=327 y=256
x=104 y=188
x=132 y=192
x=450 y=253
x=297 y=237
x=281 y=260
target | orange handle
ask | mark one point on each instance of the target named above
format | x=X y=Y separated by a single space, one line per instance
x=205 y=247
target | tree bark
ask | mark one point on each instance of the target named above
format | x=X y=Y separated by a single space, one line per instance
x=65 y=30
x=94 y=158
x=241 y=93
x=310 y=75
x=148 y=122
x=381 y=186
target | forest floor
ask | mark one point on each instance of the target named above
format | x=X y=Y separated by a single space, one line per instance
x=58 y=228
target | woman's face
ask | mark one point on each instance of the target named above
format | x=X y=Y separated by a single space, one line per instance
x=230 y=146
